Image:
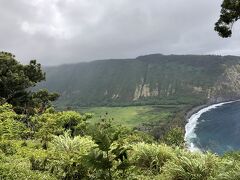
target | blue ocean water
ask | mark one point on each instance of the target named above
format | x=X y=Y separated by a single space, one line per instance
x=218 y=130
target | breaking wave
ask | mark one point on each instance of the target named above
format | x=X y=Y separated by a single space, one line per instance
x=190 y=127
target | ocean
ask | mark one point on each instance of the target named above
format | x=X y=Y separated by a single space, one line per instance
x=215 y=128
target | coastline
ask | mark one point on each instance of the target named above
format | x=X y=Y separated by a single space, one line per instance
x=192 y=120
x=195 y=109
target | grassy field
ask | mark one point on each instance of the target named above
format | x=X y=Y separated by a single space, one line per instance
x=134 y=116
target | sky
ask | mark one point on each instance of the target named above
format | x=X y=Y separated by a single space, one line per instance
x=68 y=31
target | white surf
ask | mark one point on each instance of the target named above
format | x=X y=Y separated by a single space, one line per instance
x=190 y=127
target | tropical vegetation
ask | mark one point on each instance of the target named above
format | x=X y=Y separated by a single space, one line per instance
x=39 y=142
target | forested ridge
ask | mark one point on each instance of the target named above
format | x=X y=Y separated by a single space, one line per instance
x=146 y=80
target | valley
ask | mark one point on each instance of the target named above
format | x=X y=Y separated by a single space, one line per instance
x=151 y=93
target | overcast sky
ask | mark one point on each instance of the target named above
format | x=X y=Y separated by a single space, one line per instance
x=66 y=31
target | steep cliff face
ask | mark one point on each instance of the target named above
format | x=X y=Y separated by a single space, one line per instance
x=152 y=79
x=227 y=86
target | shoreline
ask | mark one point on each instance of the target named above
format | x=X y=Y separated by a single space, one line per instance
x=195 y=109
x=192 y=120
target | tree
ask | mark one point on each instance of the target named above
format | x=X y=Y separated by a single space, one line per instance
x=230 y=13
x=42 y=99
x=17 y=79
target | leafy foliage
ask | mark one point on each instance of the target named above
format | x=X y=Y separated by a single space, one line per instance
x=100 y=151
x=192 y=166
x=109 y=150
x=67 y=158
x=10 y=125
x=174 y=137
x=41 y=143
x=55 y=123
x=15 y=81
x=42 y=99
x=151 y=156
x=77 y=144
x=12 y=167
x=229 y=15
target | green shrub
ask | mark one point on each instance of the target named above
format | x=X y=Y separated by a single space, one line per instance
x=7 y=147
x=110 y=158
x=38 y=164
x=191 y=166
x=15 y=167
x=67 y=144
x=151 y=157
x=174 y=137
x=66 y=156
x=55 y=123
x=230 y=174
x=10 y=127
x=229 y=168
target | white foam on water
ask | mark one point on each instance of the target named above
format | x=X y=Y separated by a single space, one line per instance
x=190 y=127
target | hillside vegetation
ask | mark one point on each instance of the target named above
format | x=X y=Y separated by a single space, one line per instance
x=131 y=116
x=40 y=142
x=154 y=119
x=146 y=80
x=63 y=145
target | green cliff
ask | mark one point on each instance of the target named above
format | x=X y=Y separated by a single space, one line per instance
x=150 y=79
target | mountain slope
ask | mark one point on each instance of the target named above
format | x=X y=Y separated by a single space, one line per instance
x=151 y=79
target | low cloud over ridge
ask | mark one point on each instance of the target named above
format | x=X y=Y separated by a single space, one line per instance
x=66 y=31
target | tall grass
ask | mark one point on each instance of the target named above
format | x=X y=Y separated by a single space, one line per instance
x=151 y=157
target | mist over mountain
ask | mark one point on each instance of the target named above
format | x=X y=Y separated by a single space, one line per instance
x=150 y=79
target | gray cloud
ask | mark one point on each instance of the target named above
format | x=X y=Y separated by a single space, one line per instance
x=65 y=31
